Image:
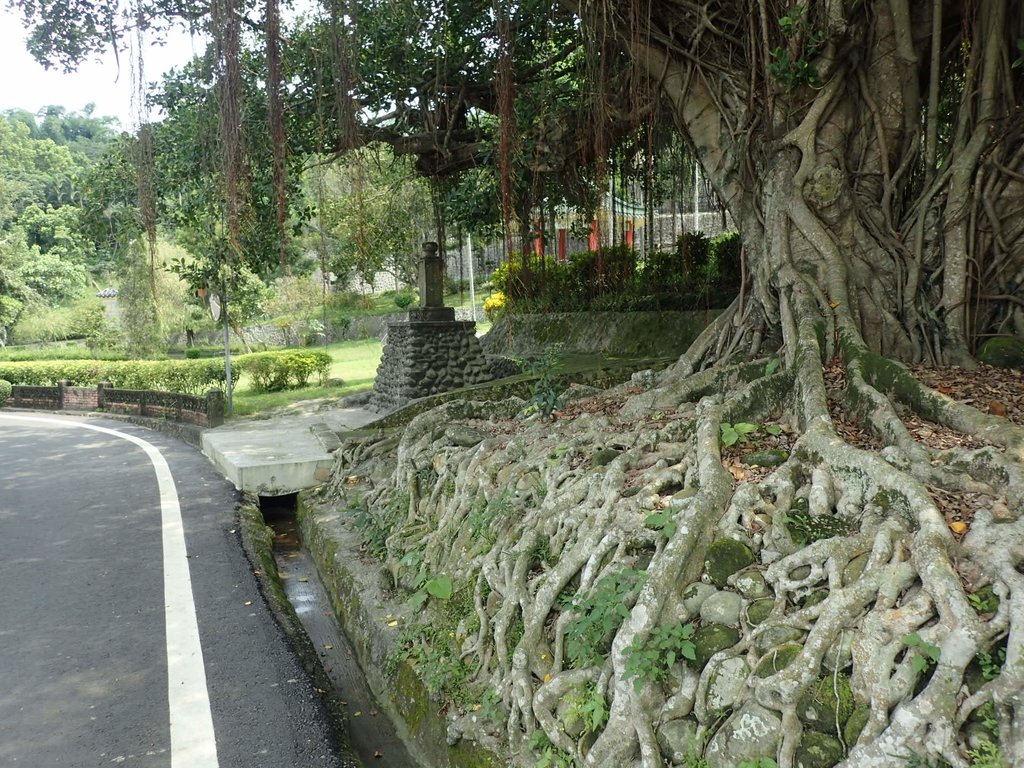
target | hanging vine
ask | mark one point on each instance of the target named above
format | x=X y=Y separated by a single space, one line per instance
x=278 y=136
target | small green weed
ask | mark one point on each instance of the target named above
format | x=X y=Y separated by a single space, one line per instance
x=925 y=654
x=694 y=760
x=375 y=525
x=789 y=72
x=485 y=512
x=792 y=69
x=663 y=522
x=992 y=663
x=914 y=760
x=985 y=600
x=540 y=554
x=652 y=659
x=590 y=707
x=988 y=753
x=426 y=479
x=550 y=755
x=598 y=615
x=430 y=650
x=546 y=390
x=741 y=432
x=439 y=587
x=490 y=706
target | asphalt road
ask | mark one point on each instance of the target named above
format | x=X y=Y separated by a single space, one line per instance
x=103 y=661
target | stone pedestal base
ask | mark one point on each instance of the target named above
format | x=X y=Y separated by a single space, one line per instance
x=432 y=315
x=426 y=356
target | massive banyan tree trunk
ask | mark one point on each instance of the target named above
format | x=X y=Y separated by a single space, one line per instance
x=872 y=155
x=872 y=151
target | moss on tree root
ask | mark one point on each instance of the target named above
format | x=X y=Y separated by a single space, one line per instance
x=581 y=538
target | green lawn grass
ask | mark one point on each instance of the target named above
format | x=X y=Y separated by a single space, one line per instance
x=355 y=364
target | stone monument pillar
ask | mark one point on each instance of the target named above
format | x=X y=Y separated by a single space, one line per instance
x=430 y=281
x=430 y=351
x=431 y=277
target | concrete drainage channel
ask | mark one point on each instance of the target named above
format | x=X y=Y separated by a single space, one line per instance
x=370 y=733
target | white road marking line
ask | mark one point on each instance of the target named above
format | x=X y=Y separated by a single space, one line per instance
x=193 y=744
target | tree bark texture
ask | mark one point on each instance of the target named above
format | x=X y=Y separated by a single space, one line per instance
x=823 y=136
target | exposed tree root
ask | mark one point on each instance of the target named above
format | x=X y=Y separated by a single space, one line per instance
x=577 y=544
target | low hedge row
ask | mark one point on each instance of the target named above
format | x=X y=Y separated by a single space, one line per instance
x=269 y=370
x=189 y=376
x=73 y=352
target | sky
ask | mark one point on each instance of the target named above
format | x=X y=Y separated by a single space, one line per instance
x=26 y=85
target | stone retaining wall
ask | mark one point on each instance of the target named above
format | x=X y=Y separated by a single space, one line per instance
x=361 y=601
x=616 y=334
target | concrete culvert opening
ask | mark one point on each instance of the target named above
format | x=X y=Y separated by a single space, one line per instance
x=279 y=513
x=275 y=506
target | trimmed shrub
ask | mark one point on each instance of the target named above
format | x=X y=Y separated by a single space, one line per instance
x=404 y=299
x=5 y=391
x=273 y=371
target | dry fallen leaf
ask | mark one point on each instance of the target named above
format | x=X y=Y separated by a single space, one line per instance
x=327 y=646
x=377 y=753
x=958 y=527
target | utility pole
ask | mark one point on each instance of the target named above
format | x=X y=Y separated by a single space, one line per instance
x=227 y=356
x=472 y=280
x=218 y=311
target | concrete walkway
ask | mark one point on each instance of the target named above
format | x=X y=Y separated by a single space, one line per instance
x=284 y=453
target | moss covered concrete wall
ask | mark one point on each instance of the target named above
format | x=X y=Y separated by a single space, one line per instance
x=627 y=334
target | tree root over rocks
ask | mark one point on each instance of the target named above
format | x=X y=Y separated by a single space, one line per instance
x=831 y=614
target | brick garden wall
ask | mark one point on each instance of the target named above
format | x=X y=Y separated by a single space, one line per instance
x=205 y=411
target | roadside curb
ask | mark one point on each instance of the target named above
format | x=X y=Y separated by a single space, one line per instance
x=370 y=622
x=187 y=433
